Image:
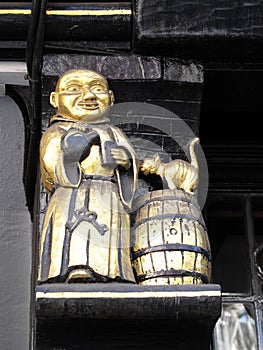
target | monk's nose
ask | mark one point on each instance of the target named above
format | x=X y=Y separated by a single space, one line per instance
x=87 y=94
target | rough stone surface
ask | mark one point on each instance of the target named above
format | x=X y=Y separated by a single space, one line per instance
x=15 y=232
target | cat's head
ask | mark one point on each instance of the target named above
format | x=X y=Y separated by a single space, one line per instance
x=151 y=165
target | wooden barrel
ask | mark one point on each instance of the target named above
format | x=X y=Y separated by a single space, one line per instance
x=170 y=241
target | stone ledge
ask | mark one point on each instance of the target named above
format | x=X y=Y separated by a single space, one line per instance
x=128 y=301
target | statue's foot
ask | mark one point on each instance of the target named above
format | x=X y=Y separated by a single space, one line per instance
x=81 y=276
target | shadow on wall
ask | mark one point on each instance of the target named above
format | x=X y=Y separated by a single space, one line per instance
x=15 y=232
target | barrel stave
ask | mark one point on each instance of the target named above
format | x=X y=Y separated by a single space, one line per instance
x=174 y=260
x=171 y=244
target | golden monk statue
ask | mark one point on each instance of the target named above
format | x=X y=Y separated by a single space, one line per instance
x=91 y=170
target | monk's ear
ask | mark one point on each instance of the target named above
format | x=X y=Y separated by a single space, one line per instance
x=53 y=99
x=112 y=98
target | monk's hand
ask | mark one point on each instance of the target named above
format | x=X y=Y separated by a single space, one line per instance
x=76 y=145
x=121 y=157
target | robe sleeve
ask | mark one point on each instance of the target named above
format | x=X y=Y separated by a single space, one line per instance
x=52 y=163
x=61 y=151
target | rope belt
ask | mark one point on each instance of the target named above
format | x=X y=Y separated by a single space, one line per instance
x=100 y=177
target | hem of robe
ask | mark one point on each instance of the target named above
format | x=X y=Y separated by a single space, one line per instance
x=98 y=278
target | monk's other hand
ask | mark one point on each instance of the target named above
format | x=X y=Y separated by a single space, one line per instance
x=121 y=157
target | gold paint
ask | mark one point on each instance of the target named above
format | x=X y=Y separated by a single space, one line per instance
x=88 y=12
x=83 y=161
x=165 y=226
x=177 y=173
x=133 y=295
x=101 y=246
x=68 y=12
x=14 y=12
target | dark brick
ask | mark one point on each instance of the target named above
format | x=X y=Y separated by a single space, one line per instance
x=140 y=91
x=180 y=71
x=143 y=90
x=122 y=67
x=183 y=109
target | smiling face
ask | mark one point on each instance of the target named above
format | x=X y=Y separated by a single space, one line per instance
x=82 y=95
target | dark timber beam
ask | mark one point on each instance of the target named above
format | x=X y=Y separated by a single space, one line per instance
x=70 y=21
x=188 y=29
x=209 y=30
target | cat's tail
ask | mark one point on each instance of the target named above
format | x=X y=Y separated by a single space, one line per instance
x=193 y=157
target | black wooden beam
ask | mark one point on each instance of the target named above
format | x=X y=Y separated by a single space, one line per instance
x=128 y=301
x=70 y=21
x=120 y=316
x=188 y=29
x=207 y=29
